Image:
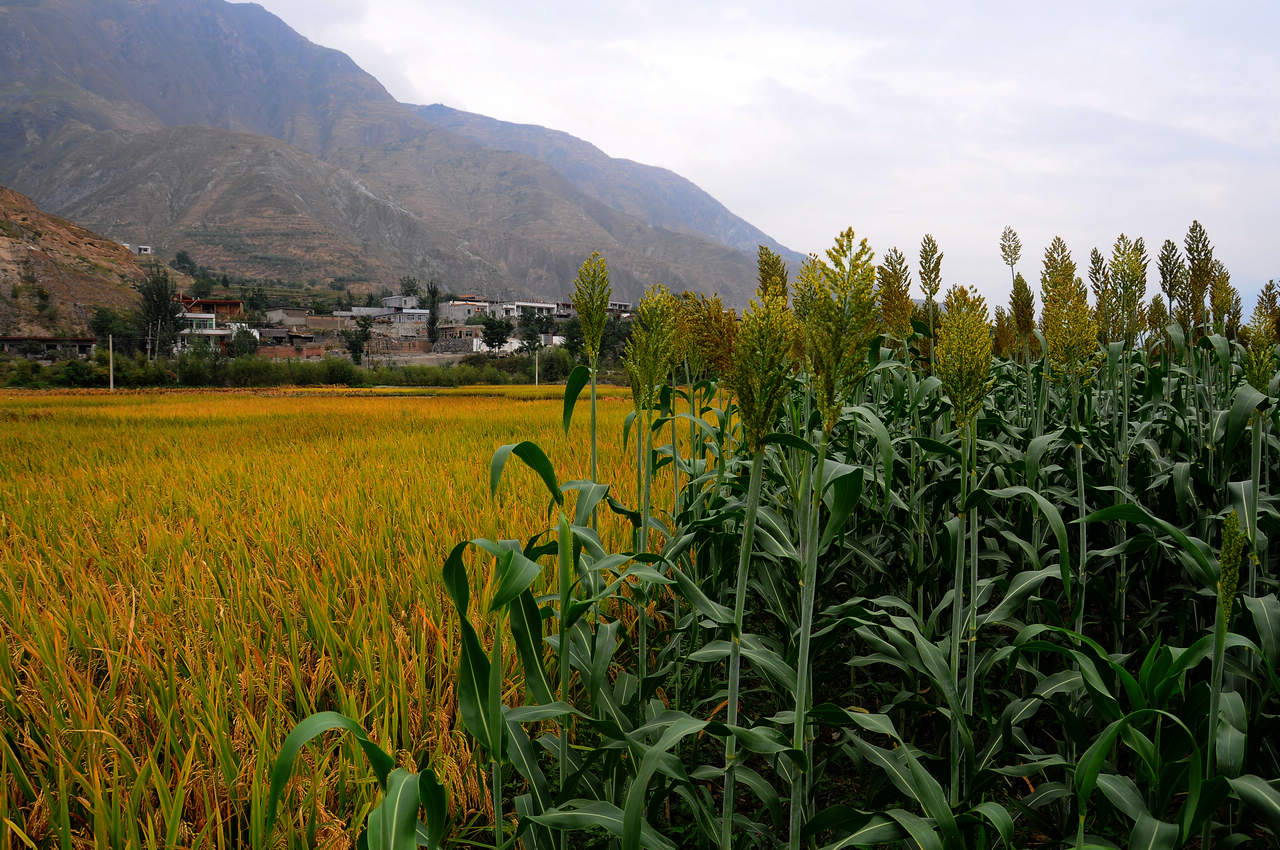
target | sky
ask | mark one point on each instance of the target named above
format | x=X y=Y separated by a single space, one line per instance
x=1083 y=119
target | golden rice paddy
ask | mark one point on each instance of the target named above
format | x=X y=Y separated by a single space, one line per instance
x=187 y=574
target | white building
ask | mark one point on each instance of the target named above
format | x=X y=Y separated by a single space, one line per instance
x=401 y=302
x=287 y=316
x=202 y=326
x=457 y=312
x=515 y=309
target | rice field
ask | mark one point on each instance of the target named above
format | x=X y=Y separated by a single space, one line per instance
x=186 y=574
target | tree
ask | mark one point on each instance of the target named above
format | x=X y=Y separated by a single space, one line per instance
x=1010 y=248
x=532 y=327
x=108 y=323
x=202 y=286
x=257 y=300
x=574 y=340
x=409 y=286
x=356 y=339
x=159 y=311
x=243 y=342
x=496 y=332
x=182 y=262
x=433 y=317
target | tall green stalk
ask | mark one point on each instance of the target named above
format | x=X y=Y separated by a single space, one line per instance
x=1255 y=474
x=496 y=730
x=565 y=574
x=971 y=670
x=808 y=592
x=1228 y=580
x=735 y=649
x=646 y=472
x=1078 y=445
x=957 y=614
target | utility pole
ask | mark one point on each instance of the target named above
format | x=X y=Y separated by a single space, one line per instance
x=111 y=359
x=148 y=342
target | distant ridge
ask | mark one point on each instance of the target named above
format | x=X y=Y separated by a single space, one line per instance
x=657 y=196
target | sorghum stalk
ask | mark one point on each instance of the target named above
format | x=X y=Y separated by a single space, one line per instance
x=957 y=617
x=835 y=302
x=964 y=367
x=564 y=569
x=760 y=378
x=1255 y=473
x=808 y=592
x=591 y=294
x=971 y=670
x=1259 y=368
x=495 y=729
x=1122 y=586
x=1228 y=580
x=1084 y=541
x=735 y=650
x=646 y=468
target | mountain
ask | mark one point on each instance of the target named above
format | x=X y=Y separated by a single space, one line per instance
x=657 y=196
x=213 y=127
x=53 y=273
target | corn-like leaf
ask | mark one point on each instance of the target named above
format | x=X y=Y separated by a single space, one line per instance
x=578 y=378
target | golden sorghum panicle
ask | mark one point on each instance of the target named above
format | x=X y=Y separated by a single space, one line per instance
x=1129 y=279
x=1069 y=325
x=963 y=360
x=761 y=369
x=651 y=348
x=713 y=333
x=1022 y=304
x=772 y=274
x=835 y=303
x=1260 y=361
x=591 y=293
x=1005 y=337
x=930 y=267
x=1104 y=296
x=1157 y=316
x=1233 y=540
x=895 y=294
x=689 y=317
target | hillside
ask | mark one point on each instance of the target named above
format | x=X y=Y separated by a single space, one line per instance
x=657 y=196
x=53 y=273
x=213 y=127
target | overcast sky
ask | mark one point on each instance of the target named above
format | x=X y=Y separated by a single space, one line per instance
x=1079 y=119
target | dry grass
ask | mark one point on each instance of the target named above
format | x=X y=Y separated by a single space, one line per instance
x=187 y=574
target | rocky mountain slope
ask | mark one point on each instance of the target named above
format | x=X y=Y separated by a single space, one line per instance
x=657 y=196
x=213 y=127
x=53 y=273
